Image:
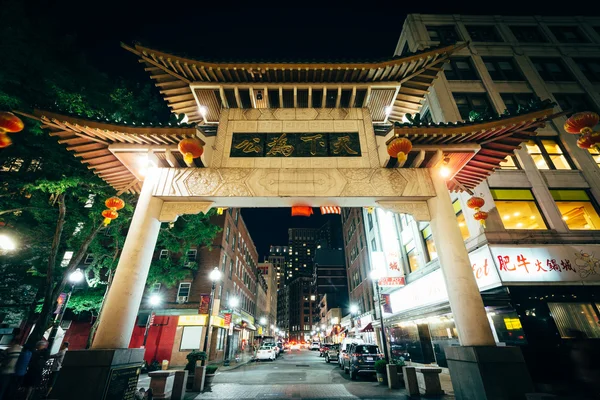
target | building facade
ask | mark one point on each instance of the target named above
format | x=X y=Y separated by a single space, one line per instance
x=269 y=274
x=278 y=256
x=302 y=243
x=329 y=281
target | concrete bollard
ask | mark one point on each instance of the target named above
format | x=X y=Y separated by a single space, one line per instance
x=161 y=383
x=410 y=381
x=179 y=384
x=393 y=377
x=429 y=381
x=199 y=375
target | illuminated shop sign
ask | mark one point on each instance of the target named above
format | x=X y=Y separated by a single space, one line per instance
x=388 y=260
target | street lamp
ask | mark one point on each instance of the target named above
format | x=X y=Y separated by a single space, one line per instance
x=233 y=303
x=6 y=244
x=375 y=275
x=74 y=278
x=214 y=276
x=154 y=301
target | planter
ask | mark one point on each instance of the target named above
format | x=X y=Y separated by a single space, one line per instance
x=382 y=378
x=208 y=378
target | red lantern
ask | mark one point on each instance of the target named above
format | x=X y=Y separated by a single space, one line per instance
x=475 y=203
x=399 y=148
x=582 y=122
x=585 y=141
x=114 y=203
x=481 y=216
x=109 y=215
x=190 y=148
x=9 y=122
x=4 y=140
x=302 y=211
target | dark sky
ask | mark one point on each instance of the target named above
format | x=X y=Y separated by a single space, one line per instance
x=255 y=30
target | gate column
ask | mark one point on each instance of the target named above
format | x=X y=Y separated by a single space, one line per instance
x=478 y=368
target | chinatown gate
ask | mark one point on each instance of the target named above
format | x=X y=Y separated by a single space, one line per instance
x=296 y=134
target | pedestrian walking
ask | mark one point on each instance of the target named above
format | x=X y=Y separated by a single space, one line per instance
x=8 y=366
x=57 y=365
x=20 y=371
x=35 y=371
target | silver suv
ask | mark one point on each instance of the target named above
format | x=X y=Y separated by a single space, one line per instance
x=332 y=353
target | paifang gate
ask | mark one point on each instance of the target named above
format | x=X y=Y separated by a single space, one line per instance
x=280 y=135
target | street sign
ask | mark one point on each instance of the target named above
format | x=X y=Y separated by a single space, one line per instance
x=395 y=281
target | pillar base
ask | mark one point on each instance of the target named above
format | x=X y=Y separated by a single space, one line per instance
x=488 y=373
x=98 y=374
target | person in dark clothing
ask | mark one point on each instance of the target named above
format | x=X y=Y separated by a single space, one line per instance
x=34 y=375
x=20 y=371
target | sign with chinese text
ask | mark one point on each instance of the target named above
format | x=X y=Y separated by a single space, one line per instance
x=395 y=281
x=386 y=303
x=122 y=383
x=227 y=318
x=319 y=144
x=390 y=256
x=204 y=304
x=554 y=263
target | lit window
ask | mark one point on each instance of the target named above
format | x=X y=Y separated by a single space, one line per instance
x=509 y=162
x=411 y=254
x=66 y=258
x=90 y=200
x=572 y=318
x=576 y=209
x=164 y=253
x=460 y=218
x=429 y=244
x=547 y=154
x=12 y=164
x=518 y=209
x=595 y=155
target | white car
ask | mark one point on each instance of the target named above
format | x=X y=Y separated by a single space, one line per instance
x=314 y=346
x=266 y=352
x=295 y=346
x=275 y=347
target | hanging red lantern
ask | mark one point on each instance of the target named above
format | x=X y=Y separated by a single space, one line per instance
x=399 y=148
x=190 y=148
x=585 y=141
x=9 y=122
x=481 y=216
x=302 y=211
x=109 y=215
x=582 y=122
x=4 y=140
x=114 y=203
x=475 y=203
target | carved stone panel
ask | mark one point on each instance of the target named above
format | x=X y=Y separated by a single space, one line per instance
x=418 y=209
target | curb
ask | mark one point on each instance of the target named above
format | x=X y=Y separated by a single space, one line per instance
x=237 y=366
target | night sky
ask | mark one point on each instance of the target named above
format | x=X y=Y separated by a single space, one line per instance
x=223 y=30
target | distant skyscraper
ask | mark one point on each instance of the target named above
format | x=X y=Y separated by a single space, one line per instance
x=301 y=250
x=278 y=256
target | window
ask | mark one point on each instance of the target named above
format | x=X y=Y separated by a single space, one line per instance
x=237 y=216
x=164 y=253
x=429 y=244
x=373 y=245
x=528 y=34
x=443 y=33
x=66 y=258
x=230 y=269
x=503 y=69
x=34 y=165
x=411 y=255
x=233 y=242
x=89 y=203
x=512 y=101
x=221 y=337
x=227 y=234
x=370 y=220
x=426 y=117
x=190 y=338
x=184 y=289
x=467 y=102
x=483 y=33
x=155 y=288
x=574 y=102
x=590 y=67
x=576 y=208
x=460 y=218
x=191 y=255
x=568 y=34
x=89 y=258
x=595 y=155
x=510 y=162
x=575 y=319
x=460 y=69
x=552 y=69
x=224 y=263
x=547 y=154
x=12 y=164
x=518 y=209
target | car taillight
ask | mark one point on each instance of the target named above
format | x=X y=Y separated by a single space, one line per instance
x=381 y=355
x=356 y=355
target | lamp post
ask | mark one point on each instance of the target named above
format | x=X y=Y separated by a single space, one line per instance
x=375 y=275
x=75 y=277
x=233 y=303
x=154 y=301
x=214 y=276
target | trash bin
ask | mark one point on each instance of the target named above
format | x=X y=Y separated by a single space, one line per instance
x=165 y=365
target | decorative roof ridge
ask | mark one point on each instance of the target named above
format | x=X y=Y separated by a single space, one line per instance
x=139 y=49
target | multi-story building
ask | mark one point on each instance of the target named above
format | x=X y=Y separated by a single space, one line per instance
x=535 y=260
x=180 y=320
x=329 y=281
x=303 y=308
x=302 y=243
x=283 y=308
x=278 y=256
x=268 y=272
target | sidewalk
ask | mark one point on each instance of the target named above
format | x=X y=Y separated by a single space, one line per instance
x=245 y=359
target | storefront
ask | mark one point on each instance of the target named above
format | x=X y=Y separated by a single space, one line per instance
x=541 y=298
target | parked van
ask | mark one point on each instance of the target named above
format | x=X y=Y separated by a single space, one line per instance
x=343 y=351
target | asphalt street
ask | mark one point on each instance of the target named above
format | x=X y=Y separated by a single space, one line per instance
x=296 y=375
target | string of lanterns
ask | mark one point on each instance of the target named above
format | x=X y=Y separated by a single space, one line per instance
x=112 y=204
x=476 y=203
x=9 y=123
x=582 y=123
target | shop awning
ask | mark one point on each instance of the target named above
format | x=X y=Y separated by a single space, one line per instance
x=368 y=328
x=246 y=324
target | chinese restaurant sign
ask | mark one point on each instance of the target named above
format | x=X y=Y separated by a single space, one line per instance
x=565 y=263
x=320 y=144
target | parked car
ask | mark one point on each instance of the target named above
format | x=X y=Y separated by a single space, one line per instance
x=295 y=346
x=266 y=352
x=343 y=350
x=361 y=359
x=314 y=346
x=274 y=346
x=332 y=353
x=324 y=347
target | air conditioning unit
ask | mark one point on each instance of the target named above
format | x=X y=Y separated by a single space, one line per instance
x=182 y=299
x=189 y=264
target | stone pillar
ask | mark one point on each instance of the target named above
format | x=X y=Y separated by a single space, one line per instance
x=463 y=293
x=123 y=300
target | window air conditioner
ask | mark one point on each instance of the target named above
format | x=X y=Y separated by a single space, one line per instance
x=182 y=299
